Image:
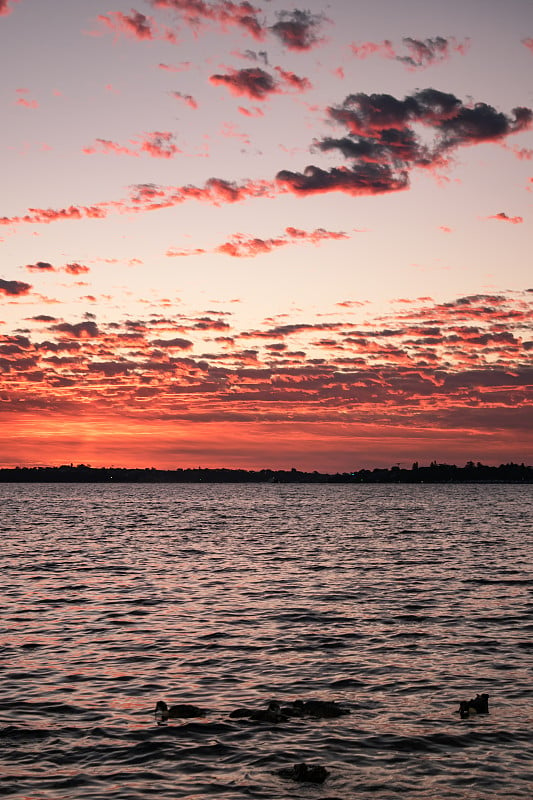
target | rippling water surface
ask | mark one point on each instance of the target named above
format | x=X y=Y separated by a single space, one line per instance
x=398 y=601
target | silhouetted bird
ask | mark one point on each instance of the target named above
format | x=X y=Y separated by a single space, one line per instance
x=179 y=711
x=478 y=705
x=272 y=713
x=304 y=772
x=316 y=708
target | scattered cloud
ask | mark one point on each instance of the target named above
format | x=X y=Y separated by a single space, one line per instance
x=14 y=288
x=446 y=368
x=79 y=330
x=40 y=266
x=298 y=30
x=505 y=218
x=243 y=246
x=225 y=13
x=257 y=84
x=135 y=25
x=5 y=7
x=253 y=82
x=187 y=98
x=182 y=67
x=383 y=145
x=417 y=53
x=76 y=269
x=158 y=144
x=23 y=100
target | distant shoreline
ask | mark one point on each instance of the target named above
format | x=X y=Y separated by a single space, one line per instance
x=434 y=473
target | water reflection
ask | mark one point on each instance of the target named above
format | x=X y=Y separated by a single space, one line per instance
x=399 y=601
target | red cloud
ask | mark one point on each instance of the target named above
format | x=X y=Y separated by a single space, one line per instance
x=294 y=81
x=40 y=266
x=256 y=84
x=187 y=98
x=528 y=43
x=452 y=370
x=251 y=112
x=224 y=12
x=14 y=288
x=160 y=144
x=253 y=82
x=502 y=216
x=75 y=269
x=241 y=246
x=136 y=25
x=47 y=215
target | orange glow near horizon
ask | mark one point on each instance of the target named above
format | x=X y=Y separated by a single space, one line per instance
x=325 y=447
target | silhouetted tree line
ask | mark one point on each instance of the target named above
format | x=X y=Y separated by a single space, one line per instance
x=434 y=473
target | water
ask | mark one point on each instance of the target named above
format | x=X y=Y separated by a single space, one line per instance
x=398 y=601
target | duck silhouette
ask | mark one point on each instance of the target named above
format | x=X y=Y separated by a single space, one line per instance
x=325 y=709
x=307 y=773
x=477 y=705
x=179 y=711
x=272 y=713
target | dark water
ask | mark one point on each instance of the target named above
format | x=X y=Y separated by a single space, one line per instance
x=398 y=601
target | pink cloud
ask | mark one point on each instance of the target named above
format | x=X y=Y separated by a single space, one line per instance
x=224 y=12
x=420 y=53
x=24 y=101
x=108 y=146
x=251 y=112
x=528 y=43
x=187 y=98
x=136 y=25
x=240 y=246
x=367 y=49
x=294 y=81
x=316 y=236
x=5 y=8
x=158 y=144
x=256 y=84
x=505 y=218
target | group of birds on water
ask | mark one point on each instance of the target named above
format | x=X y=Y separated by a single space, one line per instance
x=317 y=709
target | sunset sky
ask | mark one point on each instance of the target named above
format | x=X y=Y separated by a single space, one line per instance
x=266 y=235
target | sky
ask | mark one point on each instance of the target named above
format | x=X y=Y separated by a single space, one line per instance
x=265 y=235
